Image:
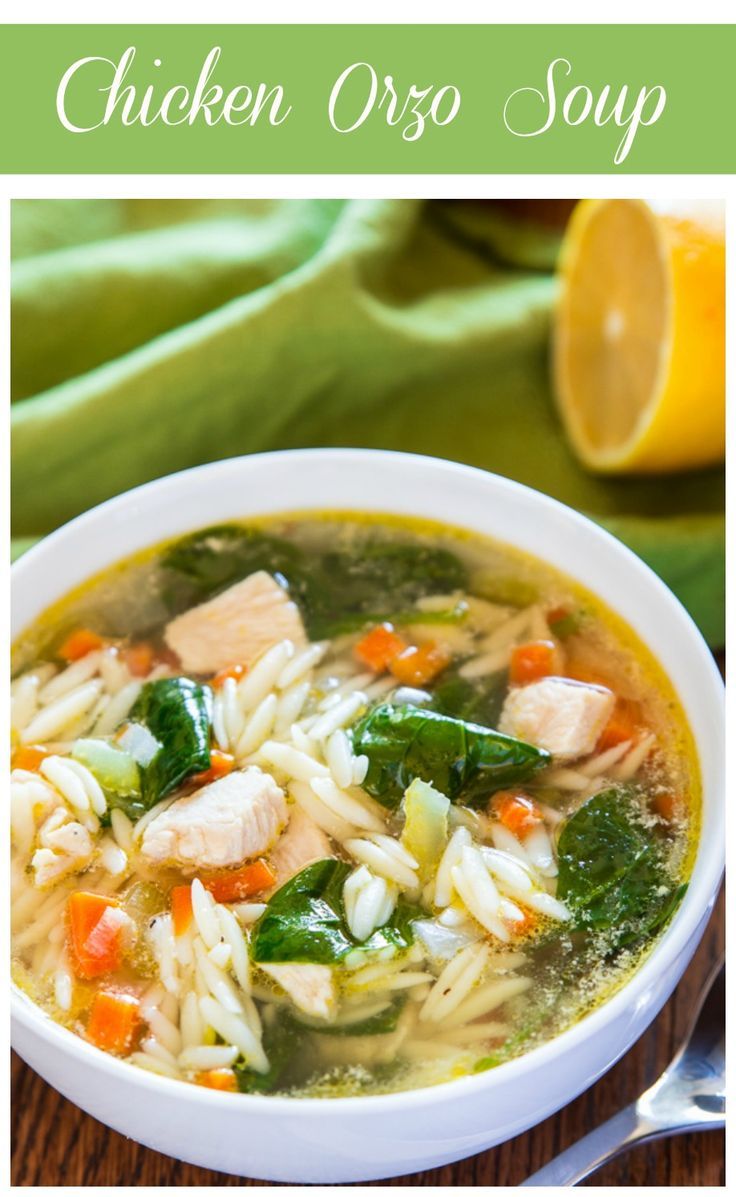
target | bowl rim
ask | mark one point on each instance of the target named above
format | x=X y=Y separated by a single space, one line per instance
x=689 y=919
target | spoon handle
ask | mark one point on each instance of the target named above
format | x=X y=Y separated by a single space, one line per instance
x=618 y=1134
x=607 y=1141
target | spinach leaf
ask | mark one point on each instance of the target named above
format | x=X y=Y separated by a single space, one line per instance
x=479 y=701
x=612 y=871
x=176 y=712
x=460 y=759
x=201 y=565
x=397 y=932
x=337 y=591
x=349 y=587
x=282 y=1042
x=304 y=922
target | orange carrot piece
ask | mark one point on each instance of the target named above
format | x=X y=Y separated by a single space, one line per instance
x=139 y=658
x=557 y=614
x=664 y=805
x=238 y=884
x=623 y=725
x=234 y=671
x=527 y=926
x=94 y=948
x=518 y=813
x=418 y=666
x=616 y=731
x=77 y=644
x=379 y=647
x=181 y=908
x=221 y=763
x=531 y=661
x=29 y=757
x=218 y=1078
x=113 y=1020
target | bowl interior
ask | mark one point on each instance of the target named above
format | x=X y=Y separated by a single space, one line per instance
x=401 y=484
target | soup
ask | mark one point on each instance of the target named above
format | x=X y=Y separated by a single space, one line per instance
x=331 y=804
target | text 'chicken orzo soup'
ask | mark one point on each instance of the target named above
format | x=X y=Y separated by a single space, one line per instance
x=335 y=805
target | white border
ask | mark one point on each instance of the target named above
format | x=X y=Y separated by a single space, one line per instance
x=360 y=186
x=380 y=12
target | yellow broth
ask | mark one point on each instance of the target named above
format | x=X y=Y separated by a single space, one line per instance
x=455 y=600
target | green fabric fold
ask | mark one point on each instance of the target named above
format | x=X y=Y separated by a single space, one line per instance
x=148 y=336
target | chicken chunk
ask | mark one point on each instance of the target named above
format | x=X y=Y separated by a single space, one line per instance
x=237 y=626
x=65 y=847
x=31 y=800
x=311 y=987
x=224 y=823
x=301 y=844
x=558 y=714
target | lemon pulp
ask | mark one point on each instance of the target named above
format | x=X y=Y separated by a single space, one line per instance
x=639 y=339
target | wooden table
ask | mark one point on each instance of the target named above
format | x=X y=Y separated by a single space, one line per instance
x=54 y=1143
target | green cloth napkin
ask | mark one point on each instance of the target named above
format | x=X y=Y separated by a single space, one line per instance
x=152 y=335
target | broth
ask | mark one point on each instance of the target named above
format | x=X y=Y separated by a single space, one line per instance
x=334 y=804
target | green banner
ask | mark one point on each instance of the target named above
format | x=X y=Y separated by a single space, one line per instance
x=244 y=99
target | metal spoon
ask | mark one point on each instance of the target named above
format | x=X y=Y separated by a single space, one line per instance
x=688 y=1096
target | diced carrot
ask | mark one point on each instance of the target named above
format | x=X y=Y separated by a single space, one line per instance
x=113 y=1021
x=532 y=661
x=238 y=884
x=95 y=944
x=77 y=644
x=623 y=725
x=525 y=927
x=616 y=731
x=181 y=908
x=234 y=671
x=418 y=666
x=221 y=763
x=517 y=812
x=664 y=805
x=218 y=1078
x=557 y=614
x=379 y=647
x=29 y=757
x=139 y=658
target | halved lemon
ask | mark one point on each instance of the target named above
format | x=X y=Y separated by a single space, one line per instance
x=639 y=336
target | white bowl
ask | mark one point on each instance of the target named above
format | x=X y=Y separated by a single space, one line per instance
x=365 y=1138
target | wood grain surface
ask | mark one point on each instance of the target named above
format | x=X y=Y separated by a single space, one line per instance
x=54 y=1143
